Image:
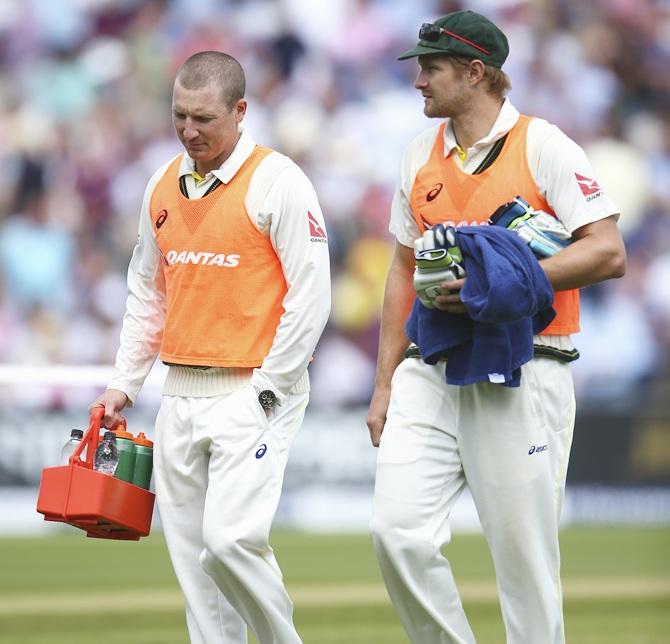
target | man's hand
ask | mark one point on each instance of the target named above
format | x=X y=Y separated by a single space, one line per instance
x=451 y=300
x=438 y=262
x=113 y=401
x=544 y=234
x=377 y=413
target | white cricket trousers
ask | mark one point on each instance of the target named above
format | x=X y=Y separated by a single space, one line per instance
x=511 y=447
x=219 y=466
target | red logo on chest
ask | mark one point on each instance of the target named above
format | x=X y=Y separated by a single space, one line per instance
x=434 y=192
x=160 y=220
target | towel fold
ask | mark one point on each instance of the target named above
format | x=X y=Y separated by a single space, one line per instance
x=508 y=298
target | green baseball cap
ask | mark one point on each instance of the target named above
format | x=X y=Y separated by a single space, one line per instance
x=462 y=33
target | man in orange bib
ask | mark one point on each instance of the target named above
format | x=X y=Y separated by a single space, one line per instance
x=509 y=444
x=229 y=284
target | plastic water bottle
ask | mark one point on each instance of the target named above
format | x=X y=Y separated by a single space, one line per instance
x=107 y=455
x=70 y=447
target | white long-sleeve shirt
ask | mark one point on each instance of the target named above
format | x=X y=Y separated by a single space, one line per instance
x=279 y=202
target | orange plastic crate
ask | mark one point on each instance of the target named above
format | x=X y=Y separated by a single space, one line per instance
x=102 y=505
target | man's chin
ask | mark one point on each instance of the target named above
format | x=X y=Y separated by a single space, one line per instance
x=199 y=153
x=431 y=110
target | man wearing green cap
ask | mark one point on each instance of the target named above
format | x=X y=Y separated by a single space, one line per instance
x=509 y=442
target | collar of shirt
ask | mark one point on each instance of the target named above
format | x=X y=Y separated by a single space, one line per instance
x=507 y=118
x=227 y=170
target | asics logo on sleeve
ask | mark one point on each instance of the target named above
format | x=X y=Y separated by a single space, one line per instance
x=202 y=258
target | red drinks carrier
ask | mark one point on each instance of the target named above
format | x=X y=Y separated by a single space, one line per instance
x=102 y=505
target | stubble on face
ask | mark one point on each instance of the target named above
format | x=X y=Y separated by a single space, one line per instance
x=442 y=86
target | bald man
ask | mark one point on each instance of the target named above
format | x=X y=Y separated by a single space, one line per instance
x=229 y=285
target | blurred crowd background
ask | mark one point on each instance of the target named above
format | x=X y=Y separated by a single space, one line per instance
x=85 y=92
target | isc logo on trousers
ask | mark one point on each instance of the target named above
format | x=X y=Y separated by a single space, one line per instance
x=202 y=258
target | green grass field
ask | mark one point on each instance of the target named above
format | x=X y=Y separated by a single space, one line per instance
x=67 y=589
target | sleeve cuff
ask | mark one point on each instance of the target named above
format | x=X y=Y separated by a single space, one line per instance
x=260 y=382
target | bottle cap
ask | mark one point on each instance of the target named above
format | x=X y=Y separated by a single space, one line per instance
x=77 y=433
x=109 y=435
x=123 y=433
x=141 y=439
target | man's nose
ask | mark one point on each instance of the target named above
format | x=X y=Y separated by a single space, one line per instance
x=190 y=131
x=420 y=81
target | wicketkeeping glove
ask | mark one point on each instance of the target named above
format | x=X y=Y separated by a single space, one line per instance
x=544 y=234
x=438 y=260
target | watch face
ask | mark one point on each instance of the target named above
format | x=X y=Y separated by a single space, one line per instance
x=267 y=399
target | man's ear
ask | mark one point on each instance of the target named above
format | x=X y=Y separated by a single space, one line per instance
x=476 y=71
x=240 y=110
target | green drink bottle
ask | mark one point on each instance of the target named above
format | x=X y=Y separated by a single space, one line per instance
x=144 y=460
x=126 y=446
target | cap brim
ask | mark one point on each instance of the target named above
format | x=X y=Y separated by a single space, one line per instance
x=421 y=50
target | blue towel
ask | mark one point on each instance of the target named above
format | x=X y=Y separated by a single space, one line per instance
x=508 y=298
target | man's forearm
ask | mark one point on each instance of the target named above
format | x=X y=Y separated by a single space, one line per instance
x=597 y=254
x=143 y=321
x=398 y=299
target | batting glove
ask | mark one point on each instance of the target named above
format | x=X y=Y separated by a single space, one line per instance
x=438 y=260
x=544 y=234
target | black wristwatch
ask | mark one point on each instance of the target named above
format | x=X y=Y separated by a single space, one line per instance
x=267 y=399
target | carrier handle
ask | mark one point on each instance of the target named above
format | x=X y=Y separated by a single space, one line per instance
x=91 y=438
